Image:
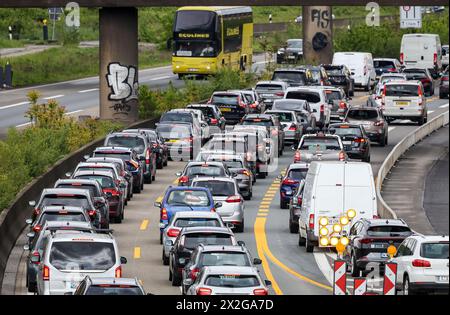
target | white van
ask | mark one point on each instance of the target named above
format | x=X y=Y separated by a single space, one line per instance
x=361 y=65
x=421 y=51
x=331 y=189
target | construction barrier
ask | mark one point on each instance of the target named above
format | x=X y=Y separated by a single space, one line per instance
x=360 y=286
x=390 y=279
x=340 y=277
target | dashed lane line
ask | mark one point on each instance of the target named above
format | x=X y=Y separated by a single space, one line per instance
x=53 y=97
x=144 y=225
x=137 y=253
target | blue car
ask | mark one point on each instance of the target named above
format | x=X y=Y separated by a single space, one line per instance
x=183 y=198
x=289 y=183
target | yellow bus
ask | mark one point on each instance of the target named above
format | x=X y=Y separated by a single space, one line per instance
x=206 y=39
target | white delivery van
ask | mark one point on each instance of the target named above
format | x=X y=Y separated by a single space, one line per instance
x=331 y=189
x=422 y=51
x=360 y=64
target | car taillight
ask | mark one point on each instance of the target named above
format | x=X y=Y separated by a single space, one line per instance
x=379 y=123
x=37 y=228
x=299 y=200
x=155 y=145
x=245 y=172
x=421 y=263
x=113 y=192
x=194 y=273
x=322 y=108
x=260 y=292
x=92 y=213
x=37 y=211
x=293 y=127
x=190 y=139
x=164 y=215
x=274 y=132
x=375 y=216
x=444 y=78
x=147 y=157
x=365 y=240
x=232 y=199
x=311 y=221
x=289 y=181
x=342 y=105
x=280 y=94
x=297 y=156
x=402 y=58
x=435 y=58
x=321 y=82
x=214 y=121
x=341 y=156
x=360 y=140
x=183 y=180
x=46 y=273
x=213 y=209
x=204 y=291
x=118 y=272
x=35 y=254
x=173 y=232
x=391 y=70
x=419 y=91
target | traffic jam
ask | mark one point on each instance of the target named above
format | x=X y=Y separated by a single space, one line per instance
x=227 y=147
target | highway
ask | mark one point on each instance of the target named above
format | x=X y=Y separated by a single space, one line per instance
x=288 y=266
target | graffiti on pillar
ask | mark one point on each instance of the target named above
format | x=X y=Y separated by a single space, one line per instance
x=321 y=17
x=124 y=87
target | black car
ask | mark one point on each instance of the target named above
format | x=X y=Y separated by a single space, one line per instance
x=292 y=52
x=341 y=76
x=293 y=77
x=319 y=75
x=422 y=75
x=188 y=240
x=386 y=65
x=159 y=147
x=232 y=105
x=205 y=256
x=201 y=169
x=338 y=101
x=443 y=85
x=369 y=240
x=213 y=115
x=295 y=206
x=355 y=140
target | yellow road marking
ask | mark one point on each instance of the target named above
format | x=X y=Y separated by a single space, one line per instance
x=175 y=181
x=265 y=202
x=264 y=206
x=137 y=252
x=262 y=215
x=270 y=195
x=144 y=225
x=263 y=210
x=267 y=199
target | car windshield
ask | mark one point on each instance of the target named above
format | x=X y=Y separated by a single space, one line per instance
x=92 y=189
x=224 y=259
x=193 y=198
x=177 y=116
x=389 y=230
x=315 y=75
x=95 y=168
x=62 y=216
x=333 y=95
x=218 y=188
x=207 y=111
x=297 y=77
x=174 y=131
x=402 y=90
x=113 y=290
x=192 y=240
x=195 y=49
x=232 y=164
x=320 y=144
x=362 y=114
x=350 y=131
x=232 y=281
x=269 y=87
x=196 y=222
x=208 y=170
x=117 y=155
x=335 y=72
x=438 y=250
x=135 y=143
x=258 y=122
x=65 y=200
x=298 y=174
x=221 y=99
x=295 y=44
x=310 y=97
x=104 y=181
x=385 y=79
x=82 y=255
x=283 y=116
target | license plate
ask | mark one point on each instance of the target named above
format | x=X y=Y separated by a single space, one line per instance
x=173 y=140
x=442 y=278
x=333 y=221
x=346 y=142
x=266 y=95
x=193 y=69
x=291 y=57
x=377 y=246
x=225 y=109
x=402 y=103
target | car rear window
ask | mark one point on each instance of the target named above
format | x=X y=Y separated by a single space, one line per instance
x=228 y=145
x=225 y=100
x=113 y=290
x=65 y=200
x=196 y=222
x=232 y=281
x=350 y=131
x=218 y=188
x=438 y=250
x=310 y=97
x=258 y=122
x=61 y=216
x=335 y=72
x=135 y=143
x=383 y=64
x=298 y=174
x=174 y=131
x=269 y=87
x=92 y=190
x=320 y=144
x=385 y=79
x=290 y=77
x=333 y=95
x=192 y=240
x=207 y=111
x=402 y=90
x=208 y=170
x=195 y=198
x=118 y=155
x=82 y=255
x=389 y=230
x=283 y=116
x=232 y=164
x=224 y=259
x=359 y=114
x=183 y=117
x=104 y=181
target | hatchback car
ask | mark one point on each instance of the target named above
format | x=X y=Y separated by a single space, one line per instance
x=201 y=169
x=443 y=85
x=109 y=286
x=182 y=140
x=293 y=77
x=386 y=65
x=289 y=182
x=355 y=140
x=292 y=51
x=225 y=190
x=319 y=147
x=255 y=102
x=232 y=105
x=269 y=91
x=214 y=117
x=341 y=76
x=188 y=240
x=293 y=128
x=373 y=121
x=338 y=101
x=319 y=75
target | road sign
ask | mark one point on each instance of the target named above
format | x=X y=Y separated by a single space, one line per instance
x=55 y=13
x=360 y=286
x=390 y=278
x=410 y=17
x=340 y=277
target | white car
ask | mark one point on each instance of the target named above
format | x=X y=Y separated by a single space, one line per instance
x=360 y=64
x=422 y=264
x=445 y=53
x=203 y=123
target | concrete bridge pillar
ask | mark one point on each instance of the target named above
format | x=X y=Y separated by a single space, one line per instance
x=119 y=64
x=317 y=34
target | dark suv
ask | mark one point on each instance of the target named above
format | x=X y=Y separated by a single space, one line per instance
x=341 y=76
x=214 y=117
x=319 y=75
x=271 y=122
x=233 y=105
x=188 y=240
x=369 y=240
x=205 y=256
x=356 y=142
x=293 y=77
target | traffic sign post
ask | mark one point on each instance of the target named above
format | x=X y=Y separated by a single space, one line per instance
x=410 y=17
x=340 y=277
x=390 y=279
x=359 y=286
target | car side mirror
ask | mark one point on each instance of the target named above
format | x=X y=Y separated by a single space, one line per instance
x=188 y=282
x=32 y=203
x=36 y=258
x=267 y=283
x=178 y=174
x=293 y=148
x=352 y=73
x=157 y=204
x=257 y=261
x=234 y=174
x=123 y=260
x=31 y=235
x=26 y=247
x=29 y=221
x=218 y=205
x=109 y=195
x=86 y=156
x=241 y=243
x=68 y=174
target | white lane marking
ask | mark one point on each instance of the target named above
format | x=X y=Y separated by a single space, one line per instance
x=324 y=266
x=15 y=105
x=53 y=97
x=162 y=78
x=69 y=113
x=390 y=129
x=87 y=91
x=430 y=112
x=443 y=106
x=23 y=125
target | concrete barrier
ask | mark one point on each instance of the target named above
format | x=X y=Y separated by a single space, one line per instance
x=12 y=219
x=410 y=140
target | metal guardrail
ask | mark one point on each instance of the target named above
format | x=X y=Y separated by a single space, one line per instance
x=410 y=140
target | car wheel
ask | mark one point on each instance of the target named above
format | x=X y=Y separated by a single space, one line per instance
x=421 y=121
x=355 y=270
x=176 y=280
x=301 y=240
x=308 y=245
x=249 y=195
x=351 y=93
x=32 y=286
x=293 y=228
x=383 y=142
x=166 y=161
x=367 y=159
x=262 y=175
x=160 y=238
x=165 y=259
x=118 y=219
x=170 y=274
x=283 y=204
x=406 y=288
x=240 y=228
x=367 y=88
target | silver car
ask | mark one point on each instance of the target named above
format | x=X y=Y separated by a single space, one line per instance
x=228 y=280
x=293 y=129
x=320 y=147
x=226 y=191
x=69 y=258
x=184 y=219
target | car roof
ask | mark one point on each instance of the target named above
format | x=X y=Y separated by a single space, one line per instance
x=305 y=88
x=62 y=208
x=104 y=159
x=62 y=191
x=226 y=93
x=338 y=125
x=118 y=281
x=403 y=82
x=126 y=134
x=173 y=188
x=118 y=149
x=385 y=59
x=258 y=116
x=196 y=214
x=207 y=229
x=198 y=163
x=202 y=105
x=96 y=173
x=290 y=70
x=272 y=82
x=214 y=178
x=296 y=166
x=226 y=157
x=280 y=111
x=100 y=237
x=105 y=164
x=67 y=224
x=362 y=107
x=179 y=110
x=382 y=222
x=239 y=270
x=227 y=248
x=88 y=182
x=430 y=238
